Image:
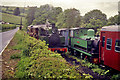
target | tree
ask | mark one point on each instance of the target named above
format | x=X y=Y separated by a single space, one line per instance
x=96 y=18
x=114 y=20
x=111 y=21
x=118 y=18
x=16 y=11
x=69 y=18
x=30 y=15
x=94 y=23
x=7 y=8
x=47 y=12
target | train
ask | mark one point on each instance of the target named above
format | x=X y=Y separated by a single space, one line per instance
x=83 y=42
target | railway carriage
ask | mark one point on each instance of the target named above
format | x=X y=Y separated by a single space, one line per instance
x=109 y=50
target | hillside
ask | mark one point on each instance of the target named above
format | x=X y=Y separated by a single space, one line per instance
x=12 y=19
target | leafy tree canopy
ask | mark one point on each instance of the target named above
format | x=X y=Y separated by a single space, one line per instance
x=69 y=18
x=114 y=20
x=47 y=12
x=95 y=14
x=95 y=19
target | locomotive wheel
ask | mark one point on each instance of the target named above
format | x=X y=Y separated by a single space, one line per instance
x=77 y=53
x=82 y=56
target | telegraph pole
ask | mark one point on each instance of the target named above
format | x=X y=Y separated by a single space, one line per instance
x=21 y=18
x=21 y=23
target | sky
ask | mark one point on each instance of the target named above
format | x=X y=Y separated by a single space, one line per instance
x=109 y=7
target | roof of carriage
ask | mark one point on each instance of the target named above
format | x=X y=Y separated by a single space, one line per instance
x=38 y=26
x=62 y=29
x=111 y=28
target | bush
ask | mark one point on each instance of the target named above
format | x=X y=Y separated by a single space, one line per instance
x=39 y=62
x=8 y=27
x=116 y=77
x=15 y=56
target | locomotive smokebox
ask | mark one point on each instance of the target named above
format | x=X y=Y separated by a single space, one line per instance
x=96 y=45
x=54 y=40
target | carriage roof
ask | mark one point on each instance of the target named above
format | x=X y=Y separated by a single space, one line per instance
x=111 y=28
x=39 y=26
x=75 y=28
x=62 y=29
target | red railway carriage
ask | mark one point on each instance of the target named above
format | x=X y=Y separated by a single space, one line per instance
x=110 y=46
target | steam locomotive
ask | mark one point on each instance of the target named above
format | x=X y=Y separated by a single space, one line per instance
x=51 y=35
x=104 y=49
x=83 y=42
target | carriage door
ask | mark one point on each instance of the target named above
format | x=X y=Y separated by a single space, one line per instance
x=66 y=37
x=102 y=47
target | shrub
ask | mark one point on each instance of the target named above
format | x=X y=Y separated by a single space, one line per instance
x=116 y=77
x=39 y=62
x=15 y=56
x=6 y=27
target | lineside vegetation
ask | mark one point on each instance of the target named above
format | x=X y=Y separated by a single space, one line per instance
x=39 y=62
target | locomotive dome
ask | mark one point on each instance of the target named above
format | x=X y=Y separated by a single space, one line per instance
x=91 y=32
x=111 y=28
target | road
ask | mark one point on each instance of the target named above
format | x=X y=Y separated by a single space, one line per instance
x=5 y=38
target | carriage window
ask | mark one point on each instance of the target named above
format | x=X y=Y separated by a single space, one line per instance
x=103 y=41
x=109 y=44
x=117 y=46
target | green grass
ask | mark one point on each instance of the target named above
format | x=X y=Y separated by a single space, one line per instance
x=15 y=56
x=12 y=18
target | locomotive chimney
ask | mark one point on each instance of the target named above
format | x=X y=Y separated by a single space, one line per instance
x=53 y=25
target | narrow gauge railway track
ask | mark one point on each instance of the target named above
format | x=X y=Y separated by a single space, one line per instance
x=84 y=69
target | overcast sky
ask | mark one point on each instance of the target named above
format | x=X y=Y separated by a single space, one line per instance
x=109 y=7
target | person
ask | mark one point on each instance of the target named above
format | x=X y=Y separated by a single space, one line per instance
x=20 y=27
